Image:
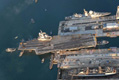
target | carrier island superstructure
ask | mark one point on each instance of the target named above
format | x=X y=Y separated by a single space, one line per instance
x=71 y=47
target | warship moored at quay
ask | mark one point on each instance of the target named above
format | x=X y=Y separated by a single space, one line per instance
x=73 y=49
x=100 y=24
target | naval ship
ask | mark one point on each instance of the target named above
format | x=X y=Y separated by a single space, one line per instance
x=90 y=14
x=10 y=50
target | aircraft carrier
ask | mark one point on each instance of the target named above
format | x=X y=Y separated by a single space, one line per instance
x=73 y=49
x=58 y=43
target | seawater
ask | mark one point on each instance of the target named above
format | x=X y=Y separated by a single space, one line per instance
x=15 y=20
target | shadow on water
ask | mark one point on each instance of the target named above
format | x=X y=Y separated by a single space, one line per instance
x=45 y=56
x=32 y=53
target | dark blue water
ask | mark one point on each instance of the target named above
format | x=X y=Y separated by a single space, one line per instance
x=15 y=20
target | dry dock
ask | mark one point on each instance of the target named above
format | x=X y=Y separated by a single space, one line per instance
x=58 y=43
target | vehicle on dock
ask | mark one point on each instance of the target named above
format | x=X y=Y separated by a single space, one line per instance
x=10 y=50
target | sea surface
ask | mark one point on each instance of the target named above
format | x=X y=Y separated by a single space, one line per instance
x=25 y=18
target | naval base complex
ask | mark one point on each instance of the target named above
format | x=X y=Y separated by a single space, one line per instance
x=73 y=49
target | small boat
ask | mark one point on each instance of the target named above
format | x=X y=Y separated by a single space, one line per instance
x=103 y=42
x=45 y=9
x=16 y=37
x=36 y=1
x=32 y=20
x=10 y=49
x=43 y=60
x=21 y=53
x=50 y=32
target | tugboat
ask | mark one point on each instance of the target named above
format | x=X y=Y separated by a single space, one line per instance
x=10 y=50
x=43 y=60
x=16 y=37
x=44 y=37
x=103 y=42
x=32 y=21
x=21 y=53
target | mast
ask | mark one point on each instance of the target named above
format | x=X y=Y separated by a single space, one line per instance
x=117 y=14
x=100 y=69
x=85 y=12
x=87 y=71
